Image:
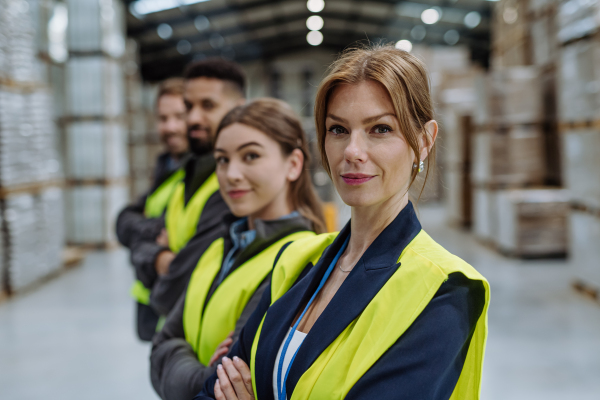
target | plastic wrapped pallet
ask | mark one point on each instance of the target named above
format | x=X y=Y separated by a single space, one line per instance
x=27 y=134
x=513 y=157
x=532 y=223
x=18 y=37
x=579 y=81
x=93 y=209
x=96 y=150
x=581 y=165
x=577 y=19
x=585 y=231
x=95 y=87
x=97 y=26
x=34 y=221
x=484 y=218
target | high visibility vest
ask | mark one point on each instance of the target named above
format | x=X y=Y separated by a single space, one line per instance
x=206 y=326
x=155 y=205
x=182 y=219
x=157 y=201
x=425 y=265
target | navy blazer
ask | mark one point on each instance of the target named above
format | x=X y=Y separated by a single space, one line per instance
x=425 y=362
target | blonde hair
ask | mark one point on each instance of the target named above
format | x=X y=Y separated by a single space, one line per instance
x=277 y=120
x=404 y=77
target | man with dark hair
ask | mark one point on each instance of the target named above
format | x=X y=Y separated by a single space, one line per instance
x=139 y=224
x=193 y=218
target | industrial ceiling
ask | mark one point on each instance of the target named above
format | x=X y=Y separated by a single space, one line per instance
x=170 y=33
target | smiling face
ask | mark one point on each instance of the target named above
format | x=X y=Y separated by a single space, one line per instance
x=369 y=157
x=254 y=175
x=171 y=124
x=207 y=100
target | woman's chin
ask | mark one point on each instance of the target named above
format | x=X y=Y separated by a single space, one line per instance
x=358 y=199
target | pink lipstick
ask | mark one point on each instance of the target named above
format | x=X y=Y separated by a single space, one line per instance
x=356 y=179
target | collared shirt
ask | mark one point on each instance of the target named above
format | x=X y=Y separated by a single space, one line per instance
x=241 y=237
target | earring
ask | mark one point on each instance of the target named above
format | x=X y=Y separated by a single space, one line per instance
x=421 y=166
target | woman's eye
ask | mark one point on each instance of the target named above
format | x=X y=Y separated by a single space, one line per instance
x=382 y=129
x=337 y=130
x=251 y=156
x=221 y=160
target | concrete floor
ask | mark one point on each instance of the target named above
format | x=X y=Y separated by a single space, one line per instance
x=73 y=337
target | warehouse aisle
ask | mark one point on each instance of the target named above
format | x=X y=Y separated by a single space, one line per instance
x=73 y=337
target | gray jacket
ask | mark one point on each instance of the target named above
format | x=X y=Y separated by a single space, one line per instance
x=175 y=371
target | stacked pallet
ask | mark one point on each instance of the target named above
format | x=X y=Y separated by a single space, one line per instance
x=452 y=87
x=143 y=144
x=579 y=122
x=95 y=141
x=31 y=195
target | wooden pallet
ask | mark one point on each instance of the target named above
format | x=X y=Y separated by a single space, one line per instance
x=32 y=188
x=590 y=291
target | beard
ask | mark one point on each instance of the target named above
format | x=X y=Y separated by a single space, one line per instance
x=199 y=146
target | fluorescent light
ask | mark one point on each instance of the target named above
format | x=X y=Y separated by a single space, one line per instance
x=184 y=47
x=314 y=38
x=164 y=31
x=405 y=45
x=201 y=23
x=143 y=7
x=315 y=5
x=451 y=37
x=430 y=16
x=472 y=19
x=314 y=23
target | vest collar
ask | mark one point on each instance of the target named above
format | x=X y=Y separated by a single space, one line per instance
x=373 y=270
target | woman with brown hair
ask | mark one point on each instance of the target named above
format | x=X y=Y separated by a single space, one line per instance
x=261 y=154
x=385 y=312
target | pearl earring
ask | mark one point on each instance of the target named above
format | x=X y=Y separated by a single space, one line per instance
x=421 y=166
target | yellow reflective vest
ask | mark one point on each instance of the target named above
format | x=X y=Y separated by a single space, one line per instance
x=207 y=325
x=425 y=265
x=182 y=219
x=155 y=206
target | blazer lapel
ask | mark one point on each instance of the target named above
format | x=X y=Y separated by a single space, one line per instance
x=372 y=271
x=281 y=314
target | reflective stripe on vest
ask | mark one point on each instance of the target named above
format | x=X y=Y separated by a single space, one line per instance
x=425 y=265
x=182 y=219
x=140 y=293
x=157 y=201
x=206 y=327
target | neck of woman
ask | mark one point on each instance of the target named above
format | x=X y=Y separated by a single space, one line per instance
x=367 y=223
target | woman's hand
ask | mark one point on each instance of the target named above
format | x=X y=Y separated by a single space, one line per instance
x=221 y=350
x=235 y=380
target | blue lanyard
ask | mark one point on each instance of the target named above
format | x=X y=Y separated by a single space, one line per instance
x=281 y=390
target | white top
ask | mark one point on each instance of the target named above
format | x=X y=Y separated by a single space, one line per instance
x=295 y=343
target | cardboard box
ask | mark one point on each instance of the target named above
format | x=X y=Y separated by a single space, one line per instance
x=581 y=165
x=532 y=223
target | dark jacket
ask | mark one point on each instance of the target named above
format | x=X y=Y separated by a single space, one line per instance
x=176 y=372
x=144 y=249
x=425 y=362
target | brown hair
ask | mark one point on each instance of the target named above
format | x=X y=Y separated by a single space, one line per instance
x=278 y=121
x=404 y=77
x=170 y=87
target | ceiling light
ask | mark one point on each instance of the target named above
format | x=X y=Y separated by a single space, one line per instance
x=430 y=16
x=418 y=33
x=143 y=7
x=164 y=31
x=201 y=23
x=315 y=5
x=405 y=45
x=216 y=41
x=472 y=19
x=314 y=23
x=451 y=37
x=510 y=15
x=314 y=38
x=184 y=47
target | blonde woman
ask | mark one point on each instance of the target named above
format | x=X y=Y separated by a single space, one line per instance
x=385 y=312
